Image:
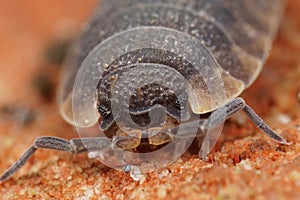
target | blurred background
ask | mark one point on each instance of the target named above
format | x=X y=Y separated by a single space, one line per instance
x=27 y=29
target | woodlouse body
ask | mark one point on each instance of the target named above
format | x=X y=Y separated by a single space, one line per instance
x=236 y=34
x=184 y=58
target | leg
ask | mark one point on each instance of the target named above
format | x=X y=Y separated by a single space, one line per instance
x=213 y=129
x=77 y=145
x=260 y=124
x=156 y=136
x=125 y=141
x=174 y=129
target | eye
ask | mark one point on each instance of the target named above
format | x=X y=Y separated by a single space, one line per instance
x=103 y=110
x=178 y=104
x=181 y=101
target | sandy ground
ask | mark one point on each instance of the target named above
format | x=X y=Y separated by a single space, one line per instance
x=244 y=164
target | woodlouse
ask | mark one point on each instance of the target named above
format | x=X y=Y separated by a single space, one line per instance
x=179 y=58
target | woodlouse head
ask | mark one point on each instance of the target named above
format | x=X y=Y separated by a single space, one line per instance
x=130 y=92
x=205 y=86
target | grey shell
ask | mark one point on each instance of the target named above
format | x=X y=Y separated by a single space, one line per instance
x=221 y=39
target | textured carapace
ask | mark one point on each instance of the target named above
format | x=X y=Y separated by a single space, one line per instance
x=227 y=40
